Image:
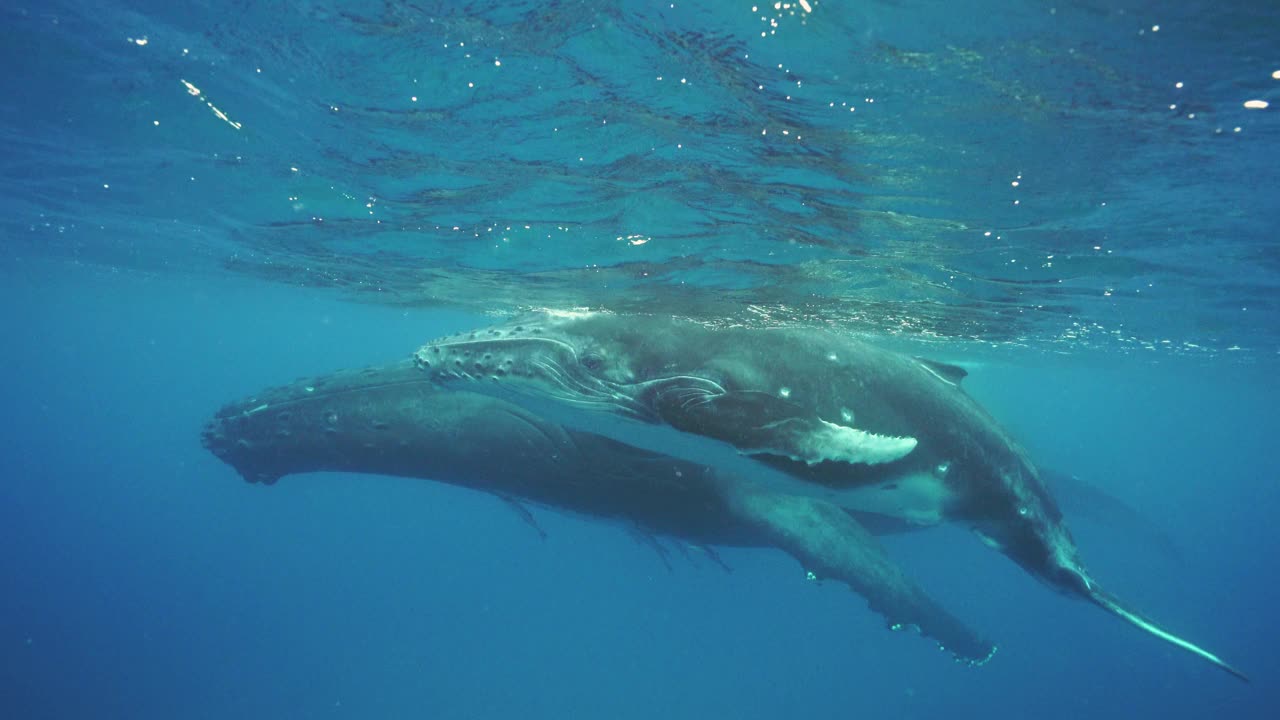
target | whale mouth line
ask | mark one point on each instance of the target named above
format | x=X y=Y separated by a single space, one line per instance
x=571 y=384
x=572 y=390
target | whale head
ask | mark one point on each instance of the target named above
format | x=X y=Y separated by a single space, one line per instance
x=547 y=356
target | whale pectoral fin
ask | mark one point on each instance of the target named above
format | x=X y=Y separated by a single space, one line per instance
x=758 y=423
x=831 y=544
x=1112 y=605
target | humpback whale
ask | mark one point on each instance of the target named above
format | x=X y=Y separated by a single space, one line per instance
x=395 y=420
x=806 y=415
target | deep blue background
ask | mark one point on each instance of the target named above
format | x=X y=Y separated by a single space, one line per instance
x=144 y=579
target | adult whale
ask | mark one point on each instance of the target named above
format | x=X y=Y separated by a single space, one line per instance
x=395 y=421
x=805 y=413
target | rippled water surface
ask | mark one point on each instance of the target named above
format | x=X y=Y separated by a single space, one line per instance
x=1067 y=177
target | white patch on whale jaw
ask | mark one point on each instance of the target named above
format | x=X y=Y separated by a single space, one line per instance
x=839 y=443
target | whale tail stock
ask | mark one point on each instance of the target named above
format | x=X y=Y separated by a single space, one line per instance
x=1109 y=603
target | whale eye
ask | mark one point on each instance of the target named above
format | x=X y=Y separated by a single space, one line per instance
x=592 y=362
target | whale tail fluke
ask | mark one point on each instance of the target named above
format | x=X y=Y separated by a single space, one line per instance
x=1113 y=606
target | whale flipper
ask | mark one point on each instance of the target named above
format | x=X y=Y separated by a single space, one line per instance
x=1109 y=603
x=831 y=544
x=758 y=423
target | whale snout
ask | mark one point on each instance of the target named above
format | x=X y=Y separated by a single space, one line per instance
x=494 y=354
x=369 y=419
x=235 y=440
x=447 y=363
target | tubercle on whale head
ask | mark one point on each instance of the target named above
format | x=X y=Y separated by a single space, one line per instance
x=518 y=349
x=577 y=342
x=221 y=437
x=338 y=421
x=539 y=355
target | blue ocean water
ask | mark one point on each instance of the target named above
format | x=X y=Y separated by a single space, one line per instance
x=205 y=198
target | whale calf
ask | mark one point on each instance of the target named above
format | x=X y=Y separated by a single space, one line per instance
x=803 y=414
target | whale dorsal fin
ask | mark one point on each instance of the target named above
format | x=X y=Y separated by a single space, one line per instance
x=946 y=371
